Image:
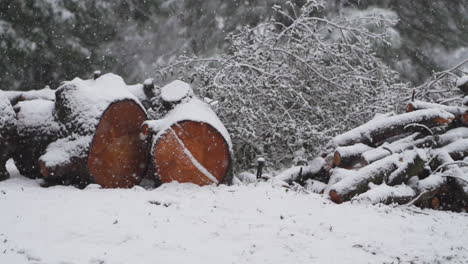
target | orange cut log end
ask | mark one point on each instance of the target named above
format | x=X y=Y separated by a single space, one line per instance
x=192 y=152
x=335 y=197
x=117 y=157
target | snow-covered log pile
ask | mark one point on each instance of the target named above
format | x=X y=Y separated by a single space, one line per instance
x=99 y=123
x=419 y=157
x=7 y=133
x=190 y=144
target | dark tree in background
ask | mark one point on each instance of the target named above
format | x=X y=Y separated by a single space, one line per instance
x=43 y=42
x=433 y=34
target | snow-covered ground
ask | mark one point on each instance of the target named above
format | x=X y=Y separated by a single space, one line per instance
x=184 y=223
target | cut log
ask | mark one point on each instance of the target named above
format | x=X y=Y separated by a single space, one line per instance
x=36 y=129
x=350 y=155
x=101 y=144
x=413 y=165
x=190 y=144
x=412 y=142
x=7 y=133
x=378 y=130
x=419 y=105
x=457 y=150
x=384 y=194
x=374 y=173
x=460 y=113
x=445 y=165
x=388 y=149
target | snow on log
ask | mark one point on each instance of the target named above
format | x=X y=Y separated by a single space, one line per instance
x=357 y=183
x=458 y=149
x=174 y=93
x=349 y=155
x=388 y=149
x=338 y=174
x=7 y=133
x=36 y=129
x=190 y=144
x=375 y=131
x=102 y=121
x=145 y=92
x=315 y=186
x=317 y=169
x=413 y=164
x=427 y=188
x=446 y=164
x=462 y=84
x=400 y=194
x=419 y=105
x=18 y=96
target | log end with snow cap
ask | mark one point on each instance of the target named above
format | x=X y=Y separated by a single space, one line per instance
x=190 y=144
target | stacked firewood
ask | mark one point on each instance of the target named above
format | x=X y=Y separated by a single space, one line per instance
x=419 y=157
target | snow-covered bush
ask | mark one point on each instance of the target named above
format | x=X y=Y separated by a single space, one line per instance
x=285 y=88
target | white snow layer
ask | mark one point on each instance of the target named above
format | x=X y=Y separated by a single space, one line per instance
x=380 y=193
x=185 y=223
x=90 y=98
x=36 y=115
x=176 y=91
x=363 y=132
x=192 y=110
x=63 y=150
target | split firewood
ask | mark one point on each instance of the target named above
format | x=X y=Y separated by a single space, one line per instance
x=101 y=141
x=36 y=129
x=378 y=130
x=7 y=133
x=190 y=144
x=349 y=156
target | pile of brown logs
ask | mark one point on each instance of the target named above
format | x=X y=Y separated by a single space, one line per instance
x=419 y=157
x=90 y=131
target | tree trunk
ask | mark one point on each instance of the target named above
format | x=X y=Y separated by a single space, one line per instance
x=101 y=144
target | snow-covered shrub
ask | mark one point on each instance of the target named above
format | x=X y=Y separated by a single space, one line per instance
x=284 y=89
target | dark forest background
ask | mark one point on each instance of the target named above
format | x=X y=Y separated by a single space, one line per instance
x=43 y=42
